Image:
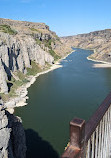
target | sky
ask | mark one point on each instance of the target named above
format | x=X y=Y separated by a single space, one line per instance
x=65 y=17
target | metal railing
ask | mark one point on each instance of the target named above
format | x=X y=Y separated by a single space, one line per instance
x=91 y=139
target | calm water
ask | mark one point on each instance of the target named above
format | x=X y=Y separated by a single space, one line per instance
x=76 y=89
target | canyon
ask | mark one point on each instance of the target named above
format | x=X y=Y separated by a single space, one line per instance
x=99 y=41
x=27 y=50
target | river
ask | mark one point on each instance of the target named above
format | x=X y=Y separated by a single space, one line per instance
x=74 y=90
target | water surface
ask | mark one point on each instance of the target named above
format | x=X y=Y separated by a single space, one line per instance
x=75 y=90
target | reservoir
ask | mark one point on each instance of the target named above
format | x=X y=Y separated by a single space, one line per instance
x=74 y=90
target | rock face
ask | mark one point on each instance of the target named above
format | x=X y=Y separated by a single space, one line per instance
x=3 y=78
x=12 y=136
x=26 y=48
x=22 y=43
x=99 y=41
x=16 y=54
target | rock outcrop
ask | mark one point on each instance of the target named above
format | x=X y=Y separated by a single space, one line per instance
x=22 y=43
x=99 y=41
x=12 y=135
x=16 y=54
x=3 y=79
x=26 y=48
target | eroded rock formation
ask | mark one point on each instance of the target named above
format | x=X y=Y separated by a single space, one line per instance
x=16 y=54
x=12 y=135
x=21 y=43
x=26 y=48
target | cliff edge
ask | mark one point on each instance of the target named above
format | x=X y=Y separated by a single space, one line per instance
x=26 y=48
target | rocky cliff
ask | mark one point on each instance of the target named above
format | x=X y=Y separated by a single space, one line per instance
x=99 y=41
x=26 y=49
x=12 y=136
x=24 y=46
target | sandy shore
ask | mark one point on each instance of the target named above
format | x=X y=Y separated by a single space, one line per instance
x=100 y=64
x=22 y=91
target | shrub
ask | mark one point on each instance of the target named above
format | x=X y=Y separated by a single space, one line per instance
x=34 y=70
x=38 y=41
x=56 y=57
x=7 y=29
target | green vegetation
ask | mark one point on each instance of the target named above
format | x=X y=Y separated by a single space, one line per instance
x=51 y=51
x=47 y=43
x=5 y=97
x=20 y=75
x=56 y=57
x=38 y=41
x=14 y=84
x=47 y=65
x=34 y=70
x=7 y=29
x=33 y=29
x=68 y=52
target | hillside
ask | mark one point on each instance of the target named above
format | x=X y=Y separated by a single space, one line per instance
x=99 y=41
x=26 y=48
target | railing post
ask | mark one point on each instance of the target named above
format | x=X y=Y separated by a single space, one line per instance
x=77 y=132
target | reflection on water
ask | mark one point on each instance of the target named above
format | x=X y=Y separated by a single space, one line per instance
x=74 y=90
x=40 y=148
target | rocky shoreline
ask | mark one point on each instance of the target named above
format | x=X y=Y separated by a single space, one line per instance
x=22 y=91
x=101 y=64
x=27 y=50
x=98 y=41
x=12 y=134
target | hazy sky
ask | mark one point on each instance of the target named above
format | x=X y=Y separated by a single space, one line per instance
x=65 y=17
